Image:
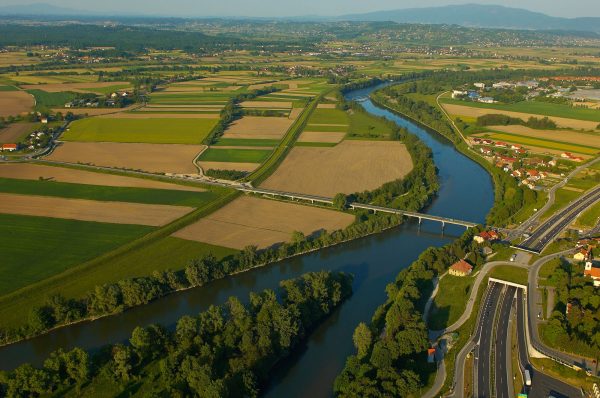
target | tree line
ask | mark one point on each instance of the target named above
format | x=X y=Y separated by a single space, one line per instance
x=225 y=351
x=391 y=351
x=504 y=120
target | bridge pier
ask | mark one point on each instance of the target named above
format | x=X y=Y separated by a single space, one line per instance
x=420 y=221
x=443 y=225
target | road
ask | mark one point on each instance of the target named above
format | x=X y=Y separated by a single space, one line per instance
x=533 y=298
x=483 y=343
x=503 y=379
x=552 y=227
x=542 y=385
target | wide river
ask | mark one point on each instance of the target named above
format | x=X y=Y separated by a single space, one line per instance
x=466 y=193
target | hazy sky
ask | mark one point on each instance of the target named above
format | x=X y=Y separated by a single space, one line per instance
x=268 y=8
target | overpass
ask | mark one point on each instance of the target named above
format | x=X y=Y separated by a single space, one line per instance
x=356 y=205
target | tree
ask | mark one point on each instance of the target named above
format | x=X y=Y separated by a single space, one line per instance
x=40 y=319
x=362 y=339
x=340 y=201
x=122 y=362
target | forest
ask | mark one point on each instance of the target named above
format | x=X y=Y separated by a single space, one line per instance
x=225 y=351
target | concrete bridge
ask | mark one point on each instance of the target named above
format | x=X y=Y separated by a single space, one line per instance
x=355 y=205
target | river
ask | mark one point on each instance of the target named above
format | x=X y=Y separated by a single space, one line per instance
x=466 y=192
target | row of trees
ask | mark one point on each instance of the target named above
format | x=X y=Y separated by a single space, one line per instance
x=504 y=120
x=226 y=351
x=391 y=357
x=226 y=174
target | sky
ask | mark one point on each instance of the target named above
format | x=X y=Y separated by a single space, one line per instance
x=279 y=8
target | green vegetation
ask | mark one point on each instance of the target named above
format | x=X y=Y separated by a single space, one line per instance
x=544 y=143
x=225 y=351
x=562 y=197
x=504 y=120
x=450 y=302
x=365 y=126
x=8 y=88
x=510 y=273
x=589 y=218
x=579 y=330
x=226 y=174
x=535 y=107
x=245 y=142
x=235 y=155
x=35 y=248
x=105 y=193
x=107 y=89
x=316 y=144
x=45 y=99
x=328 y=116
x=327 y=129
x=155 y=131
x=391 y=355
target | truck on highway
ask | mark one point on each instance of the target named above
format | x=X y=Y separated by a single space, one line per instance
x=527 y=378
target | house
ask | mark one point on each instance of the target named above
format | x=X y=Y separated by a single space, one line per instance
x=517 y=173
x=44 y=120
x=486 y=236
x=486 y=151
x=487 y=100
x=503 y=85
x=9 y=147
x=459 y=93
x=431 y=355
x=460 y=268
x=552 y=163
x=533 y=174
x=515 y=146
x=581 y=255
x=592 y=272
x=474 y=95
x=479 y=85
x=487 y=142
x=521 y=151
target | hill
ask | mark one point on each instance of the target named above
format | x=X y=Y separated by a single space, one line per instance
x=477 y=15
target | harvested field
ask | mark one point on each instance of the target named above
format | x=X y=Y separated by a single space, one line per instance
x=13 y=103
x=470 y=111
x=569 y=136
x=348 y=167
x=289 y=94
x=258 y=127
x=326 y=106
x=267 y=104
x=14 y=132
x=76 y=87
x=147 y=115
x=91 y=210
x=153 y=158
x=320 y=136
x=92 y=111
x=29 y=171
x=185 y=107
x=240 y=166
x=253 y=221
x=197 y=89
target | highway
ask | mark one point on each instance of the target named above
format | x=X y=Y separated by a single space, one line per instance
x=552 y=227
x=542 y=385
x=483 y=345
x=503 y=378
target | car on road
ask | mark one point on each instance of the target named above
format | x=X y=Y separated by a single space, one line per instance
x=527 y=377
x=513 y=258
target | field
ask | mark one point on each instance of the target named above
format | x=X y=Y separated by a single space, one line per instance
x=15 y=132
x=348 y=167
x=154 y=158
x=542 y=143
x=255 y=127
x=106 y=193
x=156 y=131
x=252 y=221
x=44 y=99
x=29 y=171
x=321 y=136
x=159 y=115
x=539 y=108
x=91 y=210
x=34 y=248
x=590 y=217
x=449 y=305
x=234 y=155
x=568 y=136
x=239 y=166
x=92 y=111
x=13 y=103
x=85 y=87
x=471 y=111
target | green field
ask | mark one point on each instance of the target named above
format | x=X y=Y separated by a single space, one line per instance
x=450 y=302
x=105 y=193
x=108 y=89
x=155 y=131
x=34 y=248
x=246 y=142
x=327 y=129
x=540 y=108
x=329 y=116
x=561 y=199
x=362 y=125
x=510 y=274
x=50 y=100
x=589 y=218
x=235 y=155
x=8 y=88
x=561 y=146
